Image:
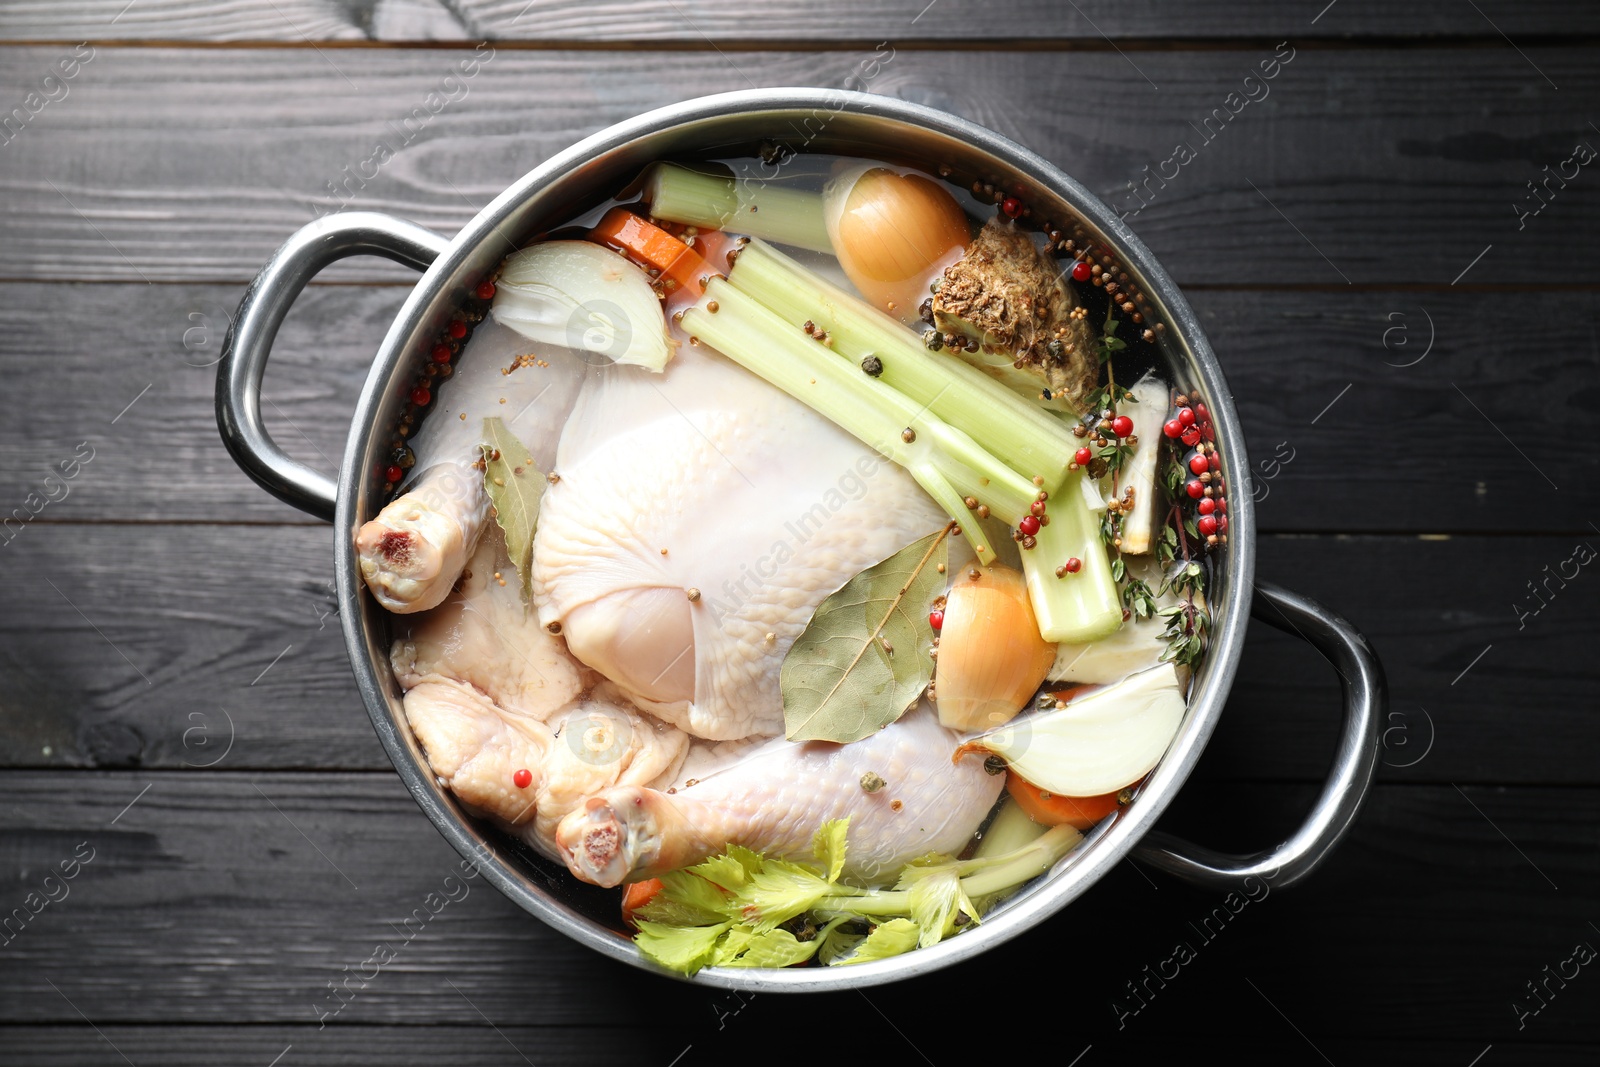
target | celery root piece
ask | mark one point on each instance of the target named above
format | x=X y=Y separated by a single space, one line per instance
x=749 y=206
x=1013 y=306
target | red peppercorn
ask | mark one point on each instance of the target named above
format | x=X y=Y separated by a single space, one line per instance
x=936 y=619
x=1029 y=526
x=1081 y=271
x=1122 y=426
x=1207 y=525
x=1082 y=457
x=1037 y=507
x=393 y=473
x=486 y=291
x=523 y=778
x=458 y=329
x=1073 y=564
x=1191 y=436
x=1207 y=506
x=441 y=353
x=1222 y=523
x=1198 y=464
x=1201 y=413
x=1011 y=206
x=1222 y=505
x=1213 y=463
x=1186 y=416
x=1172 y=428
x=1195 y=489
x=420 y=396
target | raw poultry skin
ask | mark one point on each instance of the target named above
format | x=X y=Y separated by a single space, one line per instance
x=700 y=518
x=488 y=692
x=764 y=508
x=774 y=801
x=413 y=551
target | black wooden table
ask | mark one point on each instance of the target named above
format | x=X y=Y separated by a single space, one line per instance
x=197 y=824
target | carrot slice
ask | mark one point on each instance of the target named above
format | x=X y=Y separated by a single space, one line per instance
x=653 y=248
x=636 y=895
x=1054 y=810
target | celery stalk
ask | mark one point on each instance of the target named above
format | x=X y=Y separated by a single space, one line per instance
x=749 y=206
x=1075 y=607
x=980 y=878
x=1022 y=435
x=761 y=342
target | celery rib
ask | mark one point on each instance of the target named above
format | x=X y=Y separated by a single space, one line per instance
x=750 y=206
x=1023 y=436
x=757 y=339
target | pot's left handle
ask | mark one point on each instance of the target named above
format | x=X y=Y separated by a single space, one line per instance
x=255 y=327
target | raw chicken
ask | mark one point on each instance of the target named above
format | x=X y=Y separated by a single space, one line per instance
x=412 y=553
x=489 y=692
x=774 y=801
x=699 y=519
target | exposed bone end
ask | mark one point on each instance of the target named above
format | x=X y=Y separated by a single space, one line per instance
x=611 y=837
x=411 y=554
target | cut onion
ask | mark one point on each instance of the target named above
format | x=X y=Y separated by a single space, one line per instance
x=579 y=295
x=991 y=657
x=1099 y=742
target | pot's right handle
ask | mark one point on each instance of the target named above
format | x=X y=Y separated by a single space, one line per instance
x=1365 y=698
x=244 y=354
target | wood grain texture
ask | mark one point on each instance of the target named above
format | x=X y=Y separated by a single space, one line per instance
x=209 y=901
x=170 y=658
x=1092 y=21
x=1358 y=167
x=1317 y=377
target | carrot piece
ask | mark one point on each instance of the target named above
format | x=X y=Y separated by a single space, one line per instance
x=652 y=248
x=1053 y=810
x=636 y=895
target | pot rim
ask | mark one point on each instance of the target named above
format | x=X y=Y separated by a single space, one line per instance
x=1104 y=846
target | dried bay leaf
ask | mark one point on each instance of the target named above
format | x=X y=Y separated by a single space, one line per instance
x=863 y=658
x=515 y=487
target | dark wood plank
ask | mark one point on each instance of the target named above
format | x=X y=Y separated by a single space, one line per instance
x=208 y=901
x=220 y=1045
x=155 y=645
x=1288 y=357
x=654 y=21
x=1431 y=153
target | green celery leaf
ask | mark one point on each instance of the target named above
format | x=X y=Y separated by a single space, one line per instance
x=735 y=942
x=829 y=846
x=887 y=939
x=684 y=949
x=515 y=487
x=863 y=658
x=775 y=948
x=692 y=894
x=725 y=870
x=780 y=891
x=935 y=903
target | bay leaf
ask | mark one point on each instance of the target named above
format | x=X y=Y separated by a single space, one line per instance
x=515 y=487
x=863 y=658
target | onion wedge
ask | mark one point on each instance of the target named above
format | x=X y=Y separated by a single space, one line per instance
x=1099 y=742
x=578 y=295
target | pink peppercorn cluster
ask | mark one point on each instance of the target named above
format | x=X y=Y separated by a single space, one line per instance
x=1191 y=426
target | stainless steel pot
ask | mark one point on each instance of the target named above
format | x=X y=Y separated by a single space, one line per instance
x=735 y=124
